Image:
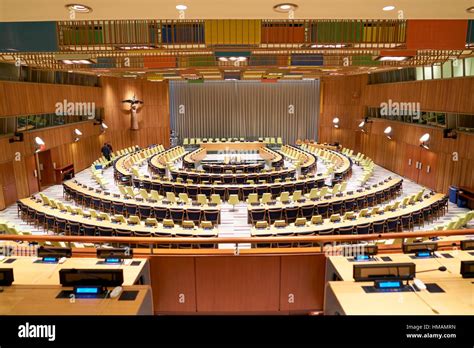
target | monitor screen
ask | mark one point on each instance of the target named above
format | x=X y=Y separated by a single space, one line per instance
x=467 y=269
x=467 y=244
x=123 y=253
x=95 y=277
x=6 y=276
x=371 y=272
x=411 y=248
x=54 y=252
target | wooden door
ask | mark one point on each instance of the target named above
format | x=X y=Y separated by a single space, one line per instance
x=427 y=168
x=32 y=174
x=412 y=160
x=46 y=169
x=8 y=194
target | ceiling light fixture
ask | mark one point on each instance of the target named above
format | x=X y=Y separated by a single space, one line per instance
x=388 y=8
x=388 y=132
x=285 y=7
x=391 y=58
x=470 y=9
x=79 y=8
x=223 y=59
x=335 y=122
x=181 y=7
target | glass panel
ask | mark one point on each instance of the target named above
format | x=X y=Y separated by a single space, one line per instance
x=469 y=66
x=447 y=70
x=427 y=70
x=419 y=73
x=436 y=71
x=457 y=68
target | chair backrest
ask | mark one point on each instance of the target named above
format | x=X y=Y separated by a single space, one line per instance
x=266 y=197
x=187 y=224
x=216 y=199
x=183 y=197
x=280 y=223
x=170 y=196
x=335 y=218
x=316 y=219
x=284 y=196
x=233 y=199
x=314 y=193
x=300 y=221
x=168 y=223
x=252 y=198
x=297 y=195
x=133 y=220
x=206 y=225
x=201 y=199
x=261 y=224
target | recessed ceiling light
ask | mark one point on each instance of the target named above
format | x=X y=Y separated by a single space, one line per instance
x=389 y=8
x=286 y=7
x=391 y=58
x=233 y=58
x=223 y=59
x=470 y=9
x=79 y=8
x=181 y=7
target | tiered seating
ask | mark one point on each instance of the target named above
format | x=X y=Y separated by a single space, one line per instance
x=322 y=202
x=144 y=204
x=61 y=218
x=400 y=216
x=337 y=163
x=300 y=158
x=127 y=166
x=457 y=222
x=365 y=162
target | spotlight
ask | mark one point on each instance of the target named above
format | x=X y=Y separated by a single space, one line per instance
x=103 y=127
x=39 y=144
x=335 y=122
x=388 y=132
x=424 y=141
x=77 y=134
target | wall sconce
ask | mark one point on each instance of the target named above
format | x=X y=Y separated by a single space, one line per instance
x=388 y=132
x=39 y=144
x=335 y=122
x=364 y=123
x=425 y=141
x=77 y=134
x=103 y=127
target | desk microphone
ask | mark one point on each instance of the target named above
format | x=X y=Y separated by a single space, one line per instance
x=420 y=285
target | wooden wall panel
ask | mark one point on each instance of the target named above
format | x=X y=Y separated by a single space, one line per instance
x=302 y=279
x=20 y=98
x=438 y=34
x=238 y=284
x=172 y=277
x=340 y=98
x=30 y=98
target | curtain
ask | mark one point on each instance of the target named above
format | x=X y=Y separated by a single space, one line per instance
x=250 y=109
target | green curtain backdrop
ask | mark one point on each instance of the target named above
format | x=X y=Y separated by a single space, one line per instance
x=248 y=109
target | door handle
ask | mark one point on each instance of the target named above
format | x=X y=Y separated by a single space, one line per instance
x=421 y=164
x=409 y=161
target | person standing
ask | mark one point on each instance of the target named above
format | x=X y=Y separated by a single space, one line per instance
x=106 y=151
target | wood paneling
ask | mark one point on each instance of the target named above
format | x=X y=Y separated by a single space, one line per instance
x=173 y=281
x=436 y=34
x=347 y=97
x=22 y=98
x=238 y=284
x=302 y=278
x=19 y=98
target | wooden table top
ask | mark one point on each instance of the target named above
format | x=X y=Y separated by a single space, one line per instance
x=41 y=300
x=28 y=272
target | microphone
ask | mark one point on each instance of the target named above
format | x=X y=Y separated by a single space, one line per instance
x=420 y=285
